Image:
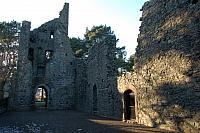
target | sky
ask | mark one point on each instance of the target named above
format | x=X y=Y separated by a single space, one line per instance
x=122 y=15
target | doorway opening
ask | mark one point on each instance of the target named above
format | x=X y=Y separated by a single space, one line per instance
x=129 y=105
x=41 y=97
x=94 y=99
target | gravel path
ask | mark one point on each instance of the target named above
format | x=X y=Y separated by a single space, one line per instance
x=44 y=121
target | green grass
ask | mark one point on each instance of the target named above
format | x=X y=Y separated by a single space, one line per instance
x=40 y=103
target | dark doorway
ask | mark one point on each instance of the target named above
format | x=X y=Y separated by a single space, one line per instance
x=194 y=1
x=41 y=98
x=129 y=104
x=94 y=99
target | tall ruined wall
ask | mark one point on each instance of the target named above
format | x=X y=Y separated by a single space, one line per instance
x=102 y=96
x=46 y=60
x=24 y=75
x=167 y=64
x=80 y=93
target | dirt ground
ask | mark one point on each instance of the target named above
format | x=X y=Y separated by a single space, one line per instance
x=44 y=121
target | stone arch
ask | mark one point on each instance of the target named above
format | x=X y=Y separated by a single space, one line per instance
x=129 y=105
x=47 y=92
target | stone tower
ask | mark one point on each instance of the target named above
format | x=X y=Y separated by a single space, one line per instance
x=45 y=61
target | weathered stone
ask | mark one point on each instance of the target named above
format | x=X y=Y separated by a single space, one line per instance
x=167 y=58
x=46 y=60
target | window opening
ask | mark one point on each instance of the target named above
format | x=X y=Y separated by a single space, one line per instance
x=48 y=54
x=94 y=99
x=30 y=53
x=51 y=35
x=32 y=40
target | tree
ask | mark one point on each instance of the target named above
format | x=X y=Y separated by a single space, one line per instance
x=121 y=59
x=130 y=63
x=78 y=46
x=8 y=49
x=97 y=33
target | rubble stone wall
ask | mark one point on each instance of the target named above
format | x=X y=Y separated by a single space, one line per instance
x=45 y=60
x=167 y=64
x=102 y=76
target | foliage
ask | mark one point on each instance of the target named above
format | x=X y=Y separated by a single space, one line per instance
x=130 y=63
x=98 y=34
x=78 y=46
x=121 y=58
x=8 y=48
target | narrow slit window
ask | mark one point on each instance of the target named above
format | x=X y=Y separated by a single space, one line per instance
x=30 y=53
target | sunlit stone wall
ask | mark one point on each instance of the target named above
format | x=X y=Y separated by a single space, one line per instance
x=167 y=65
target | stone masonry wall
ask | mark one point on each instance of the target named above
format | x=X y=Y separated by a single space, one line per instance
x=80 y=95
x=22 y=95
x=102 y=96
x=167 y=65
x=45 y=60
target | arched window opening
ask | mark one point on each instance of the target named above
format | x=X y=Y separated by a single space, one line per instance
x=41 y=97
x=94 y=99
x=129 y=105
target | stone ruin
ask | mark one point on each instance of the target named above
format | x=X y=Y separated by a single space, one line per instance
x=46 y=61
x=166 y=78
x=163 y=91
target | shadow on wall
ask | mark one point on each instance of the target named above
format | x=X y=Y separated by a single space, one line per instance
x=169 y=61
x=175 y=80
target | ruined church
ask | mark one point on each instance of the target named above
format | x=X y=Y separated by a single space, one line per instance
x=46 y=62
x=163 y=91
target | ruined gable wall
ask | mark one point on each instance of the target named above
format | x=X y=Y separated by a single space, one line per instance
x=167 y=64
x=101 y=74
x=36 y=70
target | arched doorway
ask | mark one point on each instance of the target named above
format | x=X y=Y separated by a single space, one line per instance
x=129 y=105
x=94 y=99
x=41 y=96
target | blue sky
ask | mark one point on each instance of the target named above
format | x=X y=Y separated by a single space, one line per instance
x=122 y=15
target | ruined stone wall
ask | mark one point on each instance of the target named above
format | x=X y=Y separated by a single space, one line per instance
x=46 y=60
x=24 y=75
x=102 y=96
x=80 y=85
x=1 y=89
x=167 y=65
